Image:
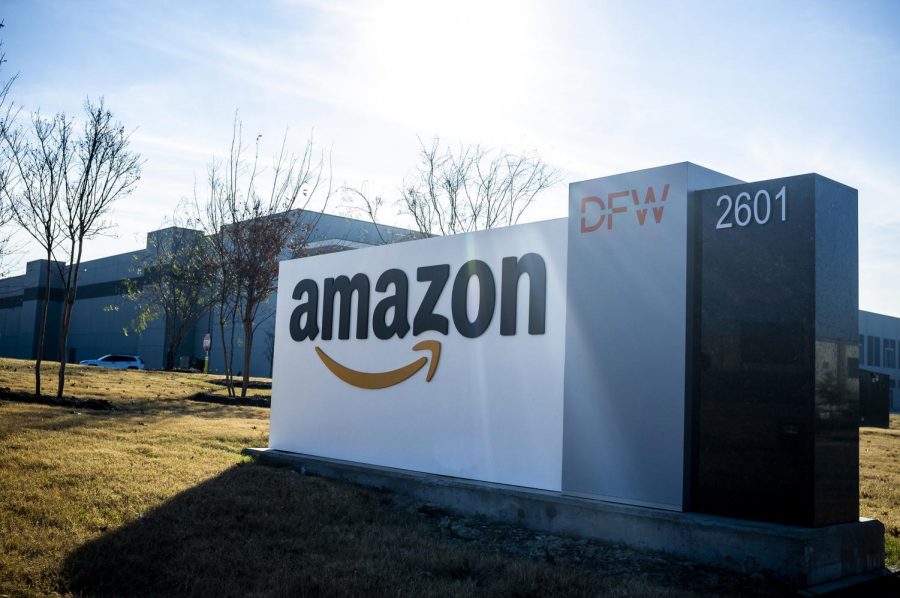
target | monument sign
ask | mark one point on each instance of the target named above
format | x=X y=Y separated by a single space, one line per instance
x=681 y=341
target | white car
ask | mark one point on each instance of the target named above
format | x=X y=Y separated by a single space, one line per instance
x=122 y=362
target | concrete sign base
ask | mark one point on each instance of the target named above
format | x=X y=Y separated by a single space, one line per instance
x=800 y=556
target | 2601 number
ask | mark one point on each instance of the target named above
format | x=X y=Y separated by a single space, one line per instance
x=745 y=209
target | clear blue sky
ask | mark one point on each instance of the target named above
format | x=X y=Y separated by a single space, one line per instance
x=755 y=89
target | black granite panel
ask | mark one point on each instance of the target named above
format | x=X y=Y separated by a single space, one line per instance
x=874 y=400
x=836 y=409
x=761 y=364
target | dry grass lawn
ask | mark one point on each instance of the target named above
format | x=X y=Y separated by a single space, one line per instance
x=154 y=499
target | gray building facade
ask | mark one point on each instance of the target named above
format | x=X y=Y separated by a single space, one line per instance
x=879 y=343
x=102 y=318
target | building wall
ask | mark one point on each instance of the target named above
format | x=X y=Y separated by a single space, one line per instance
x=21 y=302
x=879 y=349
x=12 y=341
x=102 y=317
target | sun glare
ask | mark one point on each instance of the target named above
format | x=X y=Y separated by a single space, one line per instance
x=462 y=64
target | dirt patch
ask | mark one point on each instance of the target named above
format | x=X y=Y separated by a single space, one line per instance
x=26 y=397
x=251 y=401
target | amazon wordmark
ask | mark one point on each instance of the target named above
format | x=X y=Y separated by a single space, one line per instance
x=391 y=314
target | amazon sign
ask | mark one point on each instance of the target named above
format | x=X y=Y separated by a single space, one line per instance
x=391 y=315
x=568 y=355
x=443 y=355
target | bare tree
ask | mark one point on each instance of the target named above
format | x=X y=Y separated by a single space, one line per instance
x=212 y=215
x=359 y=202
x=471 y=188
x=33 y=165
x=103 y=170
x=7 y=168
x=176 y=283
x=40 y=157
x=253 y=225
x=7 y=216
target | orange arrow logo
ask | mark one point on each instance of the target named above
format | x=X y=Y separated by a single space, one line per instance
x=373 y=380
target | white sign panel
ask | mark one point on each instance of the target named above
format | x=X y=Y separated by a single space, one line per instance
x=443 y=355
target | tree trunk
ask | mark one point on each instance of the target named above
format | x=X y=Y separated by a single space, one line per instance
x=225 y=353
x=63 y=344
x=230 y=364
x=42 y=330
x=224 y=348
x=176 y=339
x=71 y=289
x=248 y=347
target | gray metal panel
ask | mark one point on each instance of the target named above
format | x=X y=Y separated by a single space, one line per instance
x=624 y=419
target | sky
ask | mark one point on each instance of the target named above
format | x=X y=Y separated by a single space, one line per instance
x=757 y=90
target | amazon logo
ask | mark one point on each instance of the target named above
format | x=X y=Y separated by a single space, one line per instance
x=391 y=315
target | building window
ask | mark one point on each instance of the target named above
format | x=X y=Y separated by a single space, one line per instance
x=862 y=348
x=874 y=351
x=890 y=353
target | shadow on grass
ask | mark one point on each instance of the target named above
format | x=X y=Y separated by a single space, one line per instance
x=248 y=401
x=138 y=409
x=66 y=401
x=256 y=530
x=185 y=406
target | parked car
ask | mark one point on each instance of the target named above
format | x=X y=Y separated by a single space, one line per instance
x=124 y=362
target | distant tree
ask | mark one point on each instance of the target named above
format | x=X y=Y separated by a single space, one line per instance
x=252 y=228
x=176 y=284
x=40 y=158
x=470 y=188
x=103 y=170
x=8 y=172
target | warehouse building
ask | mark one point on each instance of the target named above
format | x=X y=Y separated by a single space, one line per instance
x=879 y=337
x=102 y=319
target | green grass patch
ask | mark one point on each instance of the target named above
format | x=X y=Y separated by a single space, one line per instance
x=892 y=550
